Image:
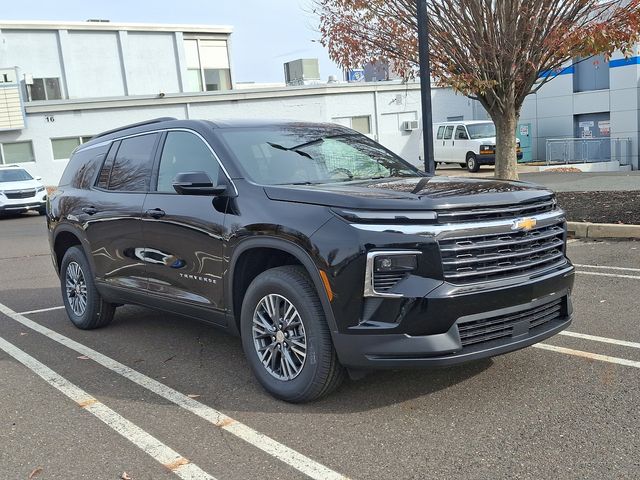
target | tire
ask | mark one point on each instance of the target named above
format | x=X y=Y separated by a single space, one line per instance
x=472 y=163
x=301 y=380
x=42 y=210
x=463 y=165
x=75 y=271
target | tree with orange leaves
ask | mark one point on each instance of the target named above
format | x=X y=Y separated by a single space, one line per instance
x=495 y=51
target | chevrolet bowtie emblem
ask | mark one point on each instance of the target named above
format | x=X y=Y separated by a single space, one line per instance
x=524 y=224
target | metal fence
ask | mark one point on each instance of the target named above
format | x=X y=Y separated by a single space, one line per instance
x=588 y=150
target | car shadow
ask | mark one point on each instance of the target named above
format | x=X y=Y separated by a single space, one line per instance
x=212 y=363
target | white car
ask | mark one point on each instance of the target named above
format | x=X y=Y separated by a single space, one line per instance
x=20 y=192
x=469 y=144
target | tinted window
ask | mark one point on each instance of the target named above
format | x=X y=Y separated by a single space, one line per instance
x=185 y=152
x=292 y=154
x=131 y=170
x=461 y=133
x=440 y=132
x=448 y=132
x=105 y=171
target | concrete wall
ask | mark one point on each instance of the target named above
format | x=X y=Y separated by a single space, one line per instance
x=387 y=104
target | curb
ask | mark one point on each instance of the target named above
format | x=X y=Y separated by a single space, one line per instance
x=602 y=230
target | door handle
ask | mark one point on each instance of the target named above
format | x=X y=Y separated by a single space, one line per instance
x=90 y=210
x=156 y=213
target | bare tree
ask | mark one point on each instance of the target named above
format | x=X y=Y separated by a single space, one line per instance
x=495 y=51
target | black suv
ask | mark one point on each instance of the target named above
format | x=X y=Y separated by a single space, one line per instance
x=322 y=249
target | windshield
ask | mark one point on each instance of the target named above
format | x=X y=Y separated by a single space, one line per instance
x=481 y=130
x=14 y=175
x=285 y=155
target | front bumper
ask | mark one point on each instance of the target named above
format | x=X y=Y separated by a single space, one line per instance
x=490 y=159
x=22 y=207
x=39 y=202
x=396 y=350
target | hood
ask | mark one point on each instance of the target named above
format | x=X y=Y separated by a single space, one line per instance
x=22 y=185
x=415 y=193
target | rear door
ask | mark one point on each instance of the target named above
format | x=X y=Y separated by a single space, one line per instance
x=183 y=234
x=438 y=144
x=112 y=213
x=447 y=144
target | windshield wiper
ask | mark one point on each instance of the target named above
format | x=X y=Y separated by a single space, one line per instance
x=292 y=149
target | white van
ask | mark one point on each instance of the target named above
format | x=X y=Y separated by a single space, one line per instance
x=469 y=144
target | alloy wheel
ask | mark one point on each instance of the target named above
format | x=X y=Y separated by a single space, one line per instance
x=76 y=288
x=279 y=337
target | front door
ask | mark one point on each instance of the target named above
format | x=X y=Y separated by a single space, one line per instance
x=461 y=144
x=183 y=233
x=112 y=213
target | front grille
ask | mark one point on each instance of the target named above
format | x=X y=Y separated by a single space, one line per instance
x=489 y=257
x=473 y=214
x=492 y=328
x=383 y=282
x=16 y=194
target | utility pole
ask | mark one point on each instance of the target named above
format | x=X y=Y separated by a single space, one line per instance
x=425 y=87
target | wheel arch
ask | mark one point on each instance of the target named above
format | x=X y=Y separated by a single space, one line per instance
x=64 y=238
x=291 y=251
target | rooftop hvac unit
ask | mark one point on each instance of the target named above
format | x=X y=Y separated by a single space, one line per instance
x=409 y=125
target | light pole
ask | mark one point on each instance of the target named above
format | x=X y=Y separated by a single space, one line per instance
x=425 y=86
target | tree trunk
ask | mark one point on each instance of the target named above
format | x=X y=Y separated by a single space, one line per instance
x=506 y=160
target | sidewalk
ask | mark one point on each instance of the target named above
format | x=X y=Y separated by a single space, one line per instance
x=561 y=182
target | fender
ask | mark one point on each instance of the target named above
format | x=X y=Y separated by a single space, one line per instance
x=289 y=247
x=76 y=232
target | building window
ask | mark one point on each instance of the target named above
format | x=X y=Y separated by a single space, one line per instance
x=590 y=74
x=45 y=89
x=63 y=147
x=207 y=65
x=360 y=123
x=16 y=152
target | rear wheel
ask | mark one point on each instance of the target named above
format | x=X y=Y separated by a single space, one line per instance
x=472 y=163
x=286 y=338
x=84 y=305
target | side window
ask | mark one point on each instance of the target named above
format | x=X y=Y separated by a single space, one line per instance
x=105 y=171
x=448 y=132
x=132 y=166
x=440 y=132
x=185 y=152
x=461 y=133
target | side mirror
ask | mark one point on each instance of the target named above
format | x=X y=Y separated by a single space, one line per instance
x=39 y=179
x=196 y=183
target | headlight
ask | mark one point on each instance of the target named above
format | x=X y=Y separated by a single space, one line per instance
x=40 y=189
x=391 y=217
x=487 y=148
x=395 y=263
x=385 y=269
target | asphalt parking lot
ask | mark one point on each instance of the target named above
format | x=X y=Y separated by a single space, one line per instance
x=153 y=390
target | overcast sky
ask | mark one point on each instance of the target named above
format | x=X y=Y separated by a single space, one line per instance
x=266 y=33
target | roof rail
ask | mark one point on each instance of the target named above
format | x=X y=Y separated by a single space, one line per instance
x=11 y=165
x=133 y=125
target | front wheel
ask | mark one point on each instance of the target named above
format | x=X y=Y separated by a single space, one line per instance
x=472 y=163
x=286 y=338
x=85 y=307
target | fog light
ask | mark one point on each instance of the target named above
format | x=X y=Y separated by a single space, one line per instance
x=396 y=263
